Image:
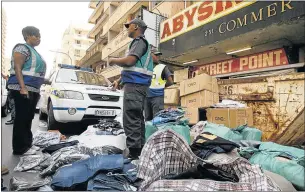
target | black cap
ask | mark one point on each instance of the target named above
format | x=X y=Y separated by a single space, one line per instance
x=137 y=22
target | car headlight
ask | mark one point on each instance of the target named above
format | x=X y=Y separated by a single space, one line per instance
x=71 y=95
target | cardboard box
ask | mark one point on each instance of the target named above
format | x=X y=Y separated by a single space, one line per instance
x=181 y=75
x=215 y=98
x=230 y=117
x=198 y=83
x=215 y=88
x=192 y=113
x=200 y=99
x=171 y=95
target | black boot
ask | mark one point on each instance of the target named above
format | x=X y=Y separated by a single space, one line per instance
x=10 y=122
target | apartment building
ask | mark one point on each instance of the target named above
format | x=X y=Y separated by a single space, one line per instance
x=74 y=44
x=111 y=37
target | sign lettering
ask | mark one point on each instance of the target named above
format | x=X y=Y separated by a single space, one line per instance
x=202 y=13
x=199 y=14
x=256 y=61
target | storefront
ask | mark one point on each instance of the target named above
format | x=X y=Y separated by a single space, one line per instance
x=235 y=36
x=255 y=49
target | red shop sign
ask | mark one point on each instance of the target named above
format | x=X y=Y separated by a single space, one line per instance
x=250 y=62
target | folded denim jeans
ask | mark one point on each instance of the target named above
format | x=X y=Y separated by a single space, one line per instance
x=102 y=182
x=69 y=177
x=121 y=181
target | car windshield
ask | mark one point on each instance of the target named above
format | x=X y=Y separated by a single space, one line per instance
x=81 y=77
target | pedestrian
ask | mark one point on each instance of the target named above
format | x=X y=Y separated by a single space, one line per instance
x=136 y=77
x=162 y=78
x=27 y=75
x=11 y=107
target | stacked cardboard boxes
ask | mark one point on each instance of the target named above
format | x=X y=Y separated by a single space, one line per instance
x=198 y=92
x=172 y=96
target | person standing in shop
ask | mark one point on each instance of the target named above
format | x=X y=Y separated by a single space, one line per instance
x=162 y=77
x=27 y=75
x=136 y=78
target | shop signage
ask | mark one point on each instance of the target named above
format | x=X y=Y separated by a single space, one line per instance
x=199 y=14
x=256 y=61
x=208 y=22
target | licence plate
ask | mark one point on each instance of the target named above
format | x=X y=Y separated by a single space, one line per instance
x=104 y=112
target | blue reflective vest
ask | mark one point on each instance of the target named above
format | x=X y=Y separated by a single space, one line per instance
x=142 y=71
x=33 y=70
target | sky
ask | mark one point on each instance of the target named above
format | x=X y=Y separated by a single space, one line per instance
x=51 y=18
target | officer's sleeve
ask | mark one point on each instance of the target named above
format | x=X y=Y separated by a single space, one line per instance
x=138 y=48
x=166 y=73
x=23 y=50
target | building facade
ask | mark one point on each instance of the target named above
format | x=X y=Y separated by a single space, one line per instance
x=74 y=44
x=111 y=37
x=5 y=64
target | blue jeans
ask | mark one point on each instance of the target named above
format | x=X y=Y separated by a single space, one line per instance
x=114 y=182
x=80 y=172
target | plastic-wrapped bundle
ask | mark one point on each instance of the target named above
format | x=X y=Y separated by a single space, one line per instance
x=63 y=157
x=61 y=161
x=30 y=162
x=46 y=138
x=20 y=184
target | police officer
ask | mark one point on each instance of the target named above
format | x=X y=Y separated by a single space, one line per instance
x=162 y=77
x=136 y=78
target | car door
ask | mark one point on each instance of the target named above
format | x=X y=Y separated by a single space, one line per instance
x=46 y=93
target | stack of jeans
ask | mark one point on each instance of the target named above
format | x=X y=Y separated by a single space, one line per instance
x=123 y=181
x=168 y=115
x=98 y=170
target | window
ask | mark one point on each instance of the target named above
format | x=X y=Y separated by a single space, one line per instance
x=77 y=42
x=77 y=53
x=81 y=77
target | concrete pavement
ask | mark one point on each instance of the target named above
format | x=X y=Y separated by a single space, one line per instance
x=7 y=157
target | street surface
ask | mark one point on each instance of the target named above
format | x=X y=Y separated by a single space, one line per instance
x=10 y=160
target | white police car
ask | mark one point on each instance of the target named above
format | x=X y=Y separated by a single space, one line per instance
x=77 y=94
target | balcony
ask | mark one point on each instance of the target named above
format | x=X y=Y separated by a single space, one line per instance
x=121 y=13
x=93 y=53
x=99 y=26
x=92 y=4
x=116 y=44
x=97 y=12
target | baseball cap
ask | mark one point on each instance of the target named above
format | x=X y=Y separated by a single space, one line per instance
x=137 y=22
x=155 y=51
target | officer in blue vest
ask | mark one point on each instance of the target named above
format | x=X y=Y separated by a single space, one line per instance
x=28 y=70
x=162 y=77
x=136 y=78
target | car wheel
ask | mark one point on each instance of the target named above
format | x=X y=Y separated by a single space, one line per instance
x=4 y=110
x=42 y=116
x=52 y=123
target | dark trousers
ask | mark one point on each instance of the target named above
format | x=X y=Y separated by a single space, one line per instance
x=25 y=111
x=133 y=118
x=152 y=106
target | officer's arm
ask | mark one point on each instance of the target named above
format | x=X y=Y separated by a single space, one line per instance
x=128 y=61
x=19 y=60
x=169 y=81
x=136 y=51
